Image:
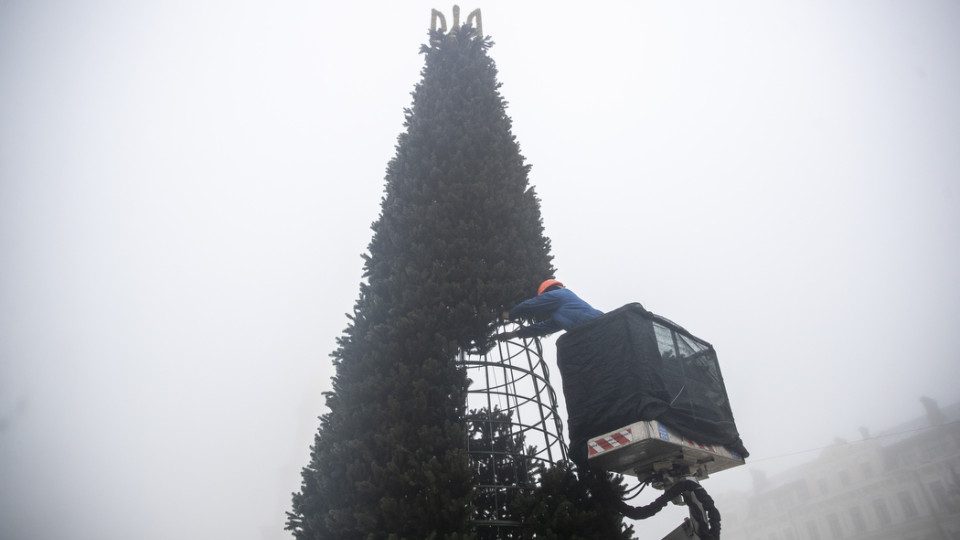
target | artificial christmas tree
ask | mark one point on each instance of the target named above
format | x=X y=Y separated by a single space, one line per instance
x=458 y=239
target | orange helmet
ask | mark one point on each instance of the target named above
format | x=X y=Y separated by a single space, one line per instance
x=547 y=284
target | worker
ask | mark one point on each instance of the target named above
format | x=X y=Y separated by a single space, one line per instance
x=564 y=310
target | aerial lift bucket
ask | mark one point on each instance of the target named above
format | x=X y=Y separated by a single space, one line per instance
x=646 y=398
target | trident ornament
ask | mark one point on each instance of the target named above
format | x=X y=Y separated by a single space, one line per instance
x=473 y=19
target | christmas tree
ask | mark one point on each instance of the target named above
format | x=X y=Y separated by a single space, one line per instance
x=459 y=238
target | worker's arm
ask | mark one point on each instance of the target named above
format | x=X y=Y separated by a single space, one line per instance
x=545 y=302
x=536 y=330
x=542 y=328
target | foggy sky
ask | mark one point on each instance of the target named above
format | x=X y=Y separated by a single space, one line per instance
x=186 y=189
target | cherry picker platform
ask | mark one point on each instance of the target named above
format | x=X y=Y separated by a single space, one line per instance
x=644 y=448
x=646 y=398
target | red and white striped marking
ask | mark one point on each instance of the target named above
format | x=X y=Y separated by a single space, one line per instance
x=602 y=444
x=694 y=444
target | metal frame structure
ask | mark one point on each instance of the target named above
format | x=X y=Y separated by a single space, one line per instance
x=514 y=423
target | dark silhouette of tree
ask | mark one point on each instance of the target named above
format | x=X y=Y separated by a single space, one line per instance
x=503 y=473
x=458 y=238
x=566 y=504
x=574 y=505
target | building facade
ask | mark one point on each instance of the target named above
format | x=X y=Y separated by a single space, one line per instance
x=903 y=484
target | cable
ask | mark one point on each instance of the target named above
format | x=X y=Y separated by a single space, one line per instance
x=894 y=434
x=643 y=512
x=638 y=489
x=708 y=527
x=695 y=497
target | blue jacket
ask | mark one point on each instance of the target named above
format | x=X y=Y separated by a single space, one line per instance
x=565 y=309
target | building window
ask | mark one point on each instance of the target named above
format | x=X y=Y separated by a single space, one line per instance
x=940 y=497
x=836 y=531
x=908 y=504
x=813 y=532
x=856 y=517
x=883 y=513
x=844 y=478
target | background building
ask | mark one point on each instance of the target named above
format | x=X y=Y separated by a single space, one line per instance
x=901 y=484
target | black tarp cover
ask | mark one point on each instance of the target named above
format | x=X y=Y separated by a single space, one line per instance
x=631 y=365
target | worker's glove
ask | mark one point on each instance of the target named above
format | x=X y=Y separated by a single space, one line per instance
x=505 y=316
x=505 y=336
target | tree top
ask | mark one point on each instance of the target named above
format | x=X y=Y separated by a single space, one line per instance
x=474 y=19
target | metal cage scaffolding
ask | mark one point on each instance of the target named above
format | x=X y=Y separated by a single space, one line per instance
x=513 y=424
